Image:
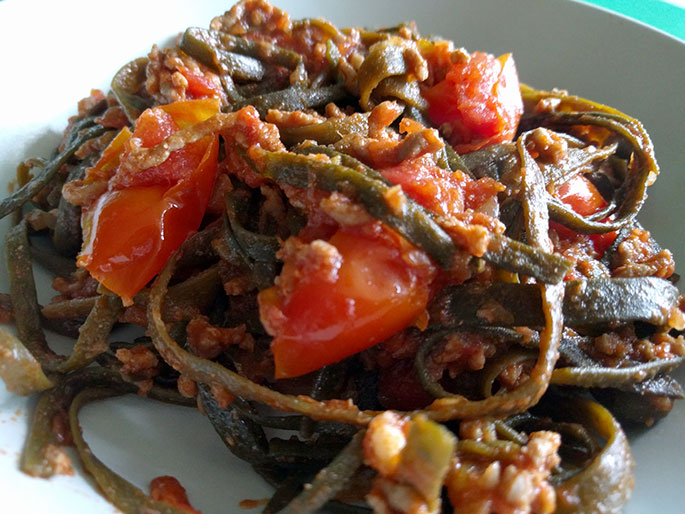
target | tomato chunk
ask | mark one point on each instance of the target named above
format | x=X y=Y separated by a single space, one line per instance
x=169 y=490
x=479 y=100
x=582 y=196
x=335 y=299
x=131 y=230
x=443 y=192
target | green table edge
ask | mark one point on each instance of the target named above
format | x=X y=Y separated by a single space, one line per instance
x=661 y=15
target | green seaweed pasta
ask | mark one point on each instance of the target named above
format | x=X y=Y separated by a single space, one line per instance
x=393 y=278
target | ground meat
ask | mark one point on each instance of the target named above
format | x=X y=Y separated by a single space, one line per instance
x=461 y=351
x=547 y=105
x=581 y=251
x=318 y=257
x=79 y=285
x=113 y=117
x=41 y=220
x=344 y=211
x=246 y=131
x=222 y=395
x=547 y=146
x=209 y=341
x=58 y=460
x=385 y=439
x=622 y=346
x=139 y=363
x=288 y=119
x=239 y=285
x=186 y=387
x=473 y=237
x=85 y=105
x=637 y=257
x=507 y=487
x=135 y=315
x=257 y=20
x=169 y=71
x=382 y=116
x=94 y=146
x=478 y=430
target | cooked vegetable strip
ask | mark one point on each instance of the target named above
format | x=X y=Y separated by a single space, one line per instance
x=389 y=58
x=127 y=497
x=26 y=192
x=76 y=308
x=326 y=132
x=92 y=340
x=524 y=259
x=35 y=459
x=67 y=235
x=295 y=98
x=126 y=85
x=586 y=302
x=605 y=485
x=207 y=46
x=24 y=297
x=529 y=393
x=20 y=370
x=330 y=480
x=568 y=102
x=613 y=377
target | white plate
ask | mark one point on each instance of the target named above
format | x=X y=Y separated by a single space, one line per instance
x=54 y=52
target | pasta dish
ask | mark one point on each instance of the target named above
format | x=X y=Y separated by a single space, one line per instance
x=392 y=277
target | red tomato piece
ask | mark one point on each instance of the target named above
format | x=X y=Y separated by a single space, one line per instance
x=602 y=242
x=199 y=86
x=131 y=230
x=130 y=233
x=582 y=196
x=376 y=286
x=479 y=100
x=169 y=490
x=434 y=188
x=441 y=191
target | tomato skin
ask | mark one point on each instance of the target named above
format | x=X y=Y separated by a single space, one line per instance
x=479 y=99
x=131 y=230
x=582 y=196
x=375 y=292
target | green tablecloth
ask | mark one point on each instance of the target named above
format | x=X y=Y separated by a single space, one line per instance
x=661 y=15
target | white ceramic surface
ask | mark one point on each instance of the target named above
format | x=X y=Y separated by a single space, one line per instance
x=54 y=52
